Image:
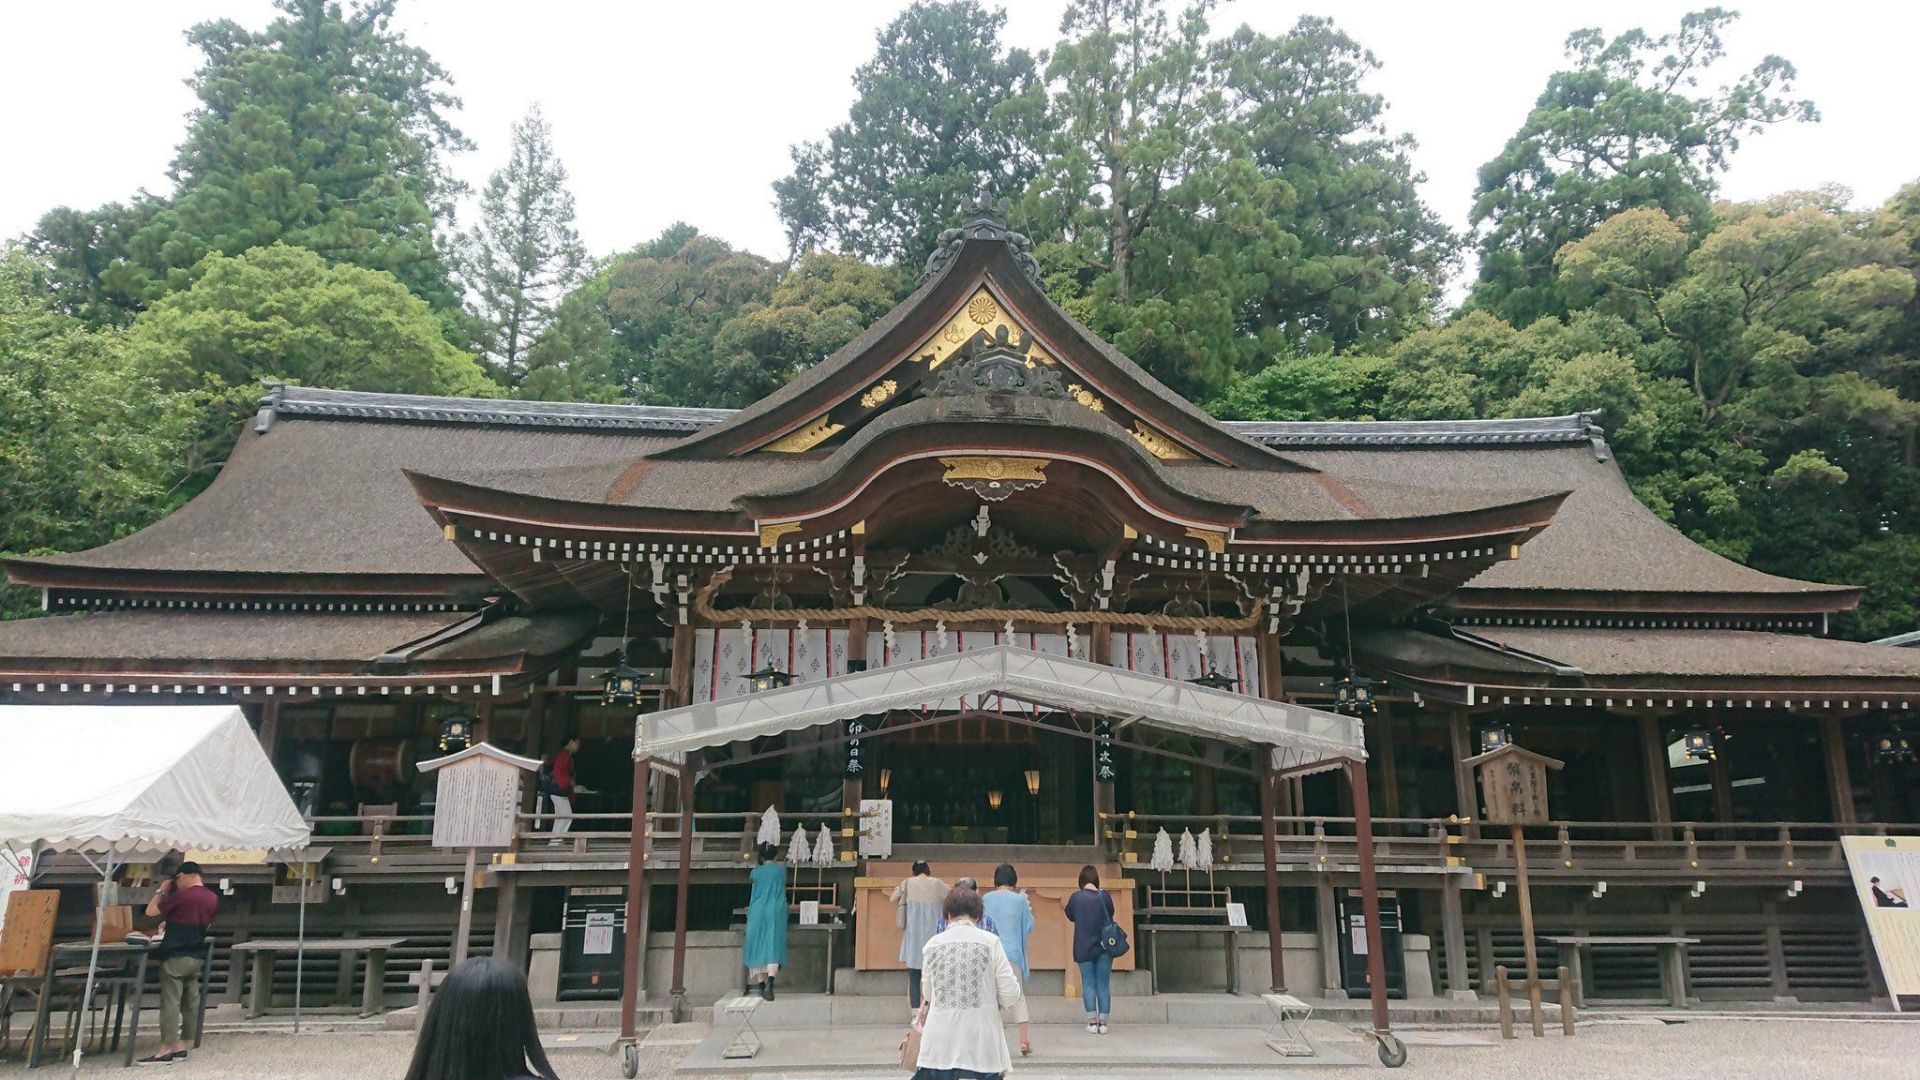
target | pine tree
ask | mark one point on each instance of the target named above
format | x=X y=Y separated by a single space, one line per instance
x=524 y=254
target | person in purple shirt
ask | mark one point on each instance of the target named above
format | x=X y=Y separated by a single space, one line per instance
x=188 y=908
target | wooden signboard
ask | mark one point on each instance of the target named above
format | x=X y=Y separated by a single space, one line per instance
x=477 y=798
x=27 y=936
x=1513 y=785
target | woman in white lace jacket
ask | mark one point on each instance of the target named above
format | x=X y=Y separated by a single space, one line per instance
x=967 y=980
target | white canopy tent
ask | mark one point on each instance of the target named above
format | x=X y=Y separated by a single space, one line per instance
x=117 y=783
x=1300 y=737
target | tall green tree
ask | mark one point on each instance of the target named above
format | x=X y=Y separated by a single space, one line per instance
x=90 y=448
x=1625 y=127
x=283 y=313
x=686 y=319
x=944 y=111
x=524 y=252
x=1130 y=95
x=326 y=130
x=77 y=247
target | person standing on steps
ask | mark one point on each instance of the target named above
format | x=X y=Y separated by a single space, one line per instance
x=917 y=902
x=969 y=982
x=556 y=782
x=767 y=920
x=1090 y=909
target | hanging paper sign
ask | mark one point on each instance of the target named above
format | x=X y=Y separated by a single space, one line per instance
x=856 y=755
x=1103 y=759
x=599 y=936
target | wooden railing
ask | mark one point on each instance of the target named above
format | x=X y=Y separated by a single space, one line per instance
x=1785 y=848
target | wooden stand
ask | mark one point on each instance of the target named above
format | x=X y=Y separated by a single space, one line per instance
x=1503 y=990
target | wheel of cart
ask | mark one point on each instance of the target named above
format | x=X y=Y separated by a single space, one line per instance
x=1393 y=1052
x=629 y=1059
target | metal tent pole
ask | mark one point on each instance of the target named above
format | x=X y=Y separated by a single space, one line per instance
x=635 y=951
x=299 y=953
x=105 y=868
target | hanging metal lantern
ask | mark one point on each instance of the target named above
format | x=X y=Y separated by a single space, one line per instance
x=1213 y=680
x=1698 y=743
x=768 y=678
x=1494 y=736
x=1896 y=746
x=1353 y=695
x=456 y=734
x=622 y=684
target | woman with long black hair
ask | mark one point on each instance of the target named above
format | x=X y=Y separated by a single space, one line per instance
x=480 y=1027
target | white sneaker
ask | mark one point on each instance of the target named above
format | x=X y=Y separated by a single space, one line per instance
x=1093 y=1027
x=1103 y=1027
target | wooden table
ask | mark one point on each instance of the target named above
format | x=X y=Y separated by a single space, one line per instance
x=372 y=995
x=1672 y=952
x=1151 y=930
x=126 y=986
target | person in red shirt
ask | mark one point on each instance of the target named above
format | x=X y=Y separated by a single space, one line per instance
x=188 y=907
x=561 y=789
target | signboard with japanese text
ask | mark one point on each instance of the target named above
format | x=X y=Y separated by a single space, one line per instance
x=1886 y=875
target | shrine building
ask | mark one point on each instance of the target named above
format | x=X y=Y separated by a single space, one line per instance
x=978 y=589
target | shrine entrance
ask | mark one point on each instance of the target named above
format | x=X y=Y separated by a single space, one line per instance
x=977 y=779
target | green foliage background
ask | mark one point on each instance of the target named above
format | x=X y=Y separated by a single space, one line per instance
x=1230 y=207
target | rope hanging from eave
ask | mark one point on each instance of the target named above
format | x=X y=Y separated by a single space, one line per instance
x=703 y=606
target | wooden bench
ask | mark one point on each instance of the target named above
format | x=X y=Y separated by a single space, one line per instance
x=1285 y=1037
x=1672 y=952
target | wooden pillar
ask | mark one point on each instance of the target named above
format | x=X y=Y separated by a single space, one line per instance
x=1722 y=775
x=1327 y=924
x=1453 y=932
x=509 y=920
x=1100 y=651
x=532 y=745
x=1271 y=850
x=483 y=721
x=269 y=732
x=1389 y=766
x=1653 y=753
x=1369 y=893
x=1466 y=798
x=1839 y=781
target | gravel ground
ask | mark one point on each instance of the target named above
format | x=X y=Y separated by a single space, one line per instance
x=1813 y=1050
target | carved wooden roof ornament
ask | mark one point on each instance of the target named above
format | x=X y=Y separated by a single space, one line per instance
x=983 y=219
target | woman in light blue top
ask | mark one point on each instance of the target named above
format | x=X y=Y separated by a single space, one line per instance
x=1011 y=916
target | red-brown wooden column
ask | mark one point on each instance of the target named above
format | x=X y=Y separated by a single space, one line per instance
x=1369 y=892
x=1839 y=779
x=685 y=885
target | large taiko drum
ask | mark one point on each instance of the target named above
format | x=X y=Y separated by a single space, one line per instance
x=380 y=764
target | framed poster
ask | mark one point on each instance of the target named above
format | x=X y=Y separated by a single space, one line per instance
x=1886 y=877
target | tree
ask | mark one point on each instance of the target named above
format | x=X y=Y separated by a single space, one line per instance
x=943 y=112
x=76 y=247
x=325 y=130
x=1624 y=128
x=90 y=449
x=686 y=319
x=524 y=253
x=1130 y=96
x=282 y=313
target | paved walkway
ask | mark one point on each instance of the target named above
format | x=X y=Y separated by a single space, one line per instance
x=1647 y=1050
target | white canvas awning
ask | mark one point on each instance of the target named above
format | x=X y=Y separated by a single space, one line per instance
x=140 y=779
x=1300 y=736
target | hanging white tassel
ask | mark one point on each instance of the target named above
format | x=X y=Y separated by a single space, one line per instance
x=886 y=633
x=1009 y=631
x=1073 y=642
x=940 y=637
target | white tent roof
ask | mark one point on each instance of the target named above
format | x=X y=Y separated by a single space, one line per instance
x=1300 y=736
x=138 y=779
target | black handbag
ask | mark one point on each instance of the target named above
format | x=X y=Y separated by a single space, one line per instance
x=1113 y=940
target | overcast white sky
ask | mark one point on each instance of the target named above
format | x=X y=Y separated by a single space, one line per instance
x=684 y=111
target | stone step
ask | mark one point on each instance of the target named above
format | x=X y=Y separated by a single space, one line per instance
x=848 y=982
x=796 y=1011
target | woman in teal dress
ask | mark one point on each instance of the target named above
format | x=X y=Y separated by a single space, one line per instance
x=767 y=920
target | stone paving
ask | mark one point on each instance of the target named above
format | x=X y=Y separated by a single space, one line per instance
x=1644 y=1050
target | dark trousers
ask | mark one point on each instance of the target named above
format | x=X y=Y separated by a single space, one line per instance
x=913 y=987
